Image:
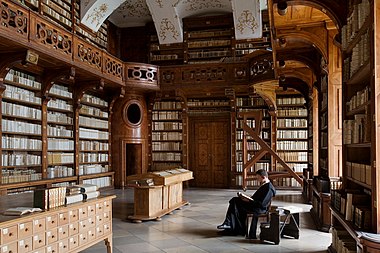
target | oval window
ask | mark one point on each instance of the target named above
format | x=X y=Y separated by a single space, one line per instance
x=134 y=114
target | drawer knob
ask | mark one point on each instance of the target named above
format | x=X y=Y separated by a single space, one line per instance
x=10 y=234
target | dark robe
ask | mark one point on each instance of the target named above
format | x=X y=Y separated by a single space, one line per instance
x=238 y=209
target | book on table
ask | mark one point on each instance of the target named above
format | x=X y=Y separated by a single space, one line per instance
x=18 y=211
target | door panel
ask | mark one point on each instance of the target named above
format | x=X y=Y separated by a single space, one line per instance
x=210 y=152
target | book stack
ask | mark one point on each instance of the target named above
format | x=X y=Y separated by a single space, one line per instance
x=48 y=198
x=73 y=195
x=89 y=191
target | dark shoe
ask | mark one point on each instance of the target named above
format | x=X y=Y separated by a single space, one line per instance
x=223 y=226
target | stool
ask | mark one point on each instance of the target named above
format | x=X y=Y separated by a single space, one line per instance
x=270 y=231
x=249 y=223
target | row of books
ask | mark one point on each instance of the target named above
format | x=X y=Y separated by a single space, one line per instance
x=292 y=134
x=93 y=145
x=166 y=136
x=353 y=206
x=60 y=104
x=9 y=142
x=48 y=198
x=357 y=130
x=93 y=134
x=292 y=112
x=20 y=127
x=93 y=157
x=342 y=241
x=166 y=115
x=93 y=111
x=94 y=100
x=251 y=123
x=359 y=172
x=263 y=134
x=93 y=122
x=162 y=146
x=58 y=117
x=167 y=105
x=60 y=90
x=11 y=109
x=17 y=93
x=292 y=123
x=59 y=131
x=290 y=100
x=167 y=126
x=19 y=159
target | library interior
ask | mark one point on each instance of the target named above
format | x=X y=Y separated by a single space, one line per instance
x=115 y=114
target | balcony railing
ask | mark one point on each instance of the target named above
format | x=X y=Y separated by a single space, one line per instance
x=32 y=30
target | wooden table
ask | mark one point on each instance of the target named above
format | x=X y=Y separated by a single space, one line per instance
x=151 y=202
x=72 y=228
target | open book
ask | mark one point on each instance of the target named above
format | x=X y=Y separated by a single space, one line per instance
x=244 y=196
x=17 y=211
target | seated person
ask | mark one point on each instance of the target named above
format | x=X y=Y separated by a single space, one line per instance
x=238 y=208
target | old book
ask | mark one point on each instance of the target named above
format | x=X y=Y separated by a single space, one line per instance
x=17 y=211
x=73 y=199
x=91 y=195
x=244 y=196
x=41 y=198
x=87 y=187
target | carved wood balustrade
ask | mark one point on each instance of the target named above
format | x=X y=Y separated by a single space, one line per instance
x=31 y=30
x=256 y=70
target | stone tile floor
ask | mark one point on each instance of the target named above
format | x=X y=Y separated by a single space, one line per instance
x=193 y=228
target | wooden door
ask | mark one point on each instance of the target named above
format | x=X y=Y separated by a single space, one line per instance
x=210 y=152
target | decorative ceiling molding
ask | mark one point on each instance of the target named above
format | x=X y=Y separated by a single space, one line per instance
x=167 y=22
x=95 y=12
x=247 y=19
x=131 y=13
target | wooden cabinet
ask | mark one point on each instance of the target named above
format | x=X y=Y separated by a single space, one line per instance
x=161 y=197
x=59 y=230
x=350 y=214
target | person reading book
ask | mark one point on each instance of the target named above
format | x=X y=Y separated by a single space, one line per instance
x=258 y=203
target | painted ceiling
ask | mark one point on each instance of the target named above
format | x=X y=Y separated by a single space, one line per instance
x=167 y=15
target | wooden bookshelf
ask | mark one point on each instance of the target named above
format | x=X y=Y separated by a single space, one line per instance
x=21 y=137
x=350 y=214
x=166 y=135
x=246 y=104
x=39 y=145
x=94 y=135
x=60 y=134
x=292 y=134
